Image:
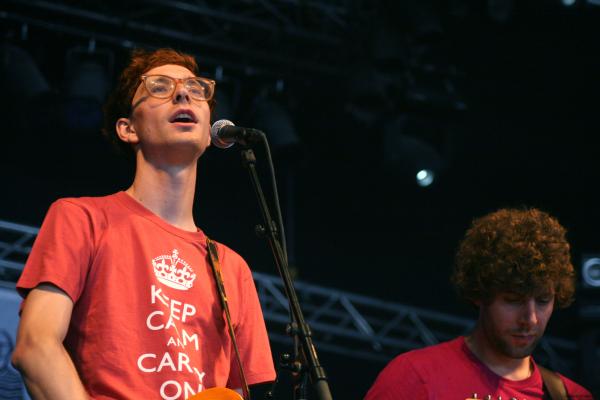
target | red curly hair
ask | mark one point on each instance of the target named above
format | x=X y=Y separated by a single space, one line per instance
x=118 y=104
x=519 y=251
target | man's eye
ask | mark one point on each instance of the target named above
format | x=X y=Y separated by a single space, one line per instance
x=158 y=88
x=196 y=88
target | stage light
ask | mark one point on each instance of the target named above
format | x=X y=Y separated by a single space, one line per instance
x=425 y=177
x=405 y=150
x=21 y=76
x=272 y=118
x=88 y=73
x=590 y=272
x=569 y=3
x=366 y=95
x=500 y=10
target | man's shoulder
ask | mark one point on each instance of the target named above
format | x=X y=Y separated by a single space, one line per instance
x=232 y=260
x=430 y=356
x=88 y=203
x=415 y=373
x=71 y=211
x=575 y=390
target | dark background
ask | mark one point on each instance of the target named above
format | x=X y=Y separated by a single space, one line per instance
x=501 y=97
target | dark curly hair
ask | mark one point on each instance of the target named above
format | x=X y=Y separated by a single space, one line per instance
x=520 y=251
x=118 y=104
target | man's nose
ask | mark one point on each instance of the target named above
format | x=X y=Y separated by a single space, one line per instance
x=529 y=312
x=181 y=94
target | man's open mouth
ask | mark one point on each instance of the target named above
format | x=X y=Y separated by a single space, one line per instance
x=184 y=116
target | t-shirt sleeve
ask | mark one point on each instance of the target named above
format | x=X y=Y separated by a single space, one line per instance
x=398 y=381
x=61 y=253
x=251 y=336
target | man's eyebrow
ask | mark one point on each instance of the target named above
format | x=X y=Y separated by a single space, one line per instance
x=545 y=294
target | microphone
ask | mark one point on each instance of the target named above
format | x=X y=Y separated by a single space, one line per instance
x=224 y=134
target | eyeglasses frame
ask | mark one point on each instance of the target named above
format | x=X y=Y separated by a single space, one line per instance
x=177 y=81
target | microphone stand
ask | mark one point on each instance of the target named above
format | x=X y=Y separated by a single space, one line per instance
x=307 y=360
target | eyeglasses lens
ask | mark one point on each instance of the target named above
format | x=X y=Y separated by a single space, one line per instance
x=163 y=87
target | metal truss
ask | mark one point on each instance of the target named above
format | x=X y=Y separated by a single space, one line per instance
x=343 y=323
x=267 y=42
x=15 y=244
x=371 y=329
x=278 y=37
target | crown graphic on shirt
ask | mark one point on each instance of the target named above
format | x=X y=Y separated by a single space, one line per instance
x=174 y=271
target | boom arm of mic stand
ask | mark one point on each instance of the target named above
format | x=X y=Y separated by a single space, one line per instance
x=316 y=371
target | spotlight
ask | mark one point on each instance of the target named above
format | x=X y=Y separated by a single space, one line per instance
x=500 y=10
x=21 y=77
x=88 y=73
x=273 y=118
x=406 y=151
x=568 y=3
x=367 y=95
x=425 y=177
x=590 y=271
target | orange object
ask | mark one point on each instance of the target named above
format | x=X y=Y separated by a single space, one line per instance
x=216 y=394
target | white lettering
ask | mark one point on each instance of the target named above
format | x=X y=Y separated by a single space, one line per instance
x=171 y=390
x=188 y=311
x=183 y=360
x=170 y=322
x=188 y=391
x=175 y=309
x=187 y=338
x=141 y=358
x=200 y=375
x=157 y=295
x=166 y=361
x=165 y=386
x=175 y=342
x=149 y=321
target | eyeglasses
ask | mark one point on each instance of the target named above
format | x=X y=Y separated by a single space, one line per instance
x=163 y=87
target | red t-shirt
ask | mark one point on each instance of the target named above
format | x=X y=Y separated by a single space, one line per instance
x=146 y=322
x=450 y=371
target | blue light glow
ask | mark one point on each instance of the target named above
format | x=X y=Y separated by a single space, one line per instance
x=425 y=177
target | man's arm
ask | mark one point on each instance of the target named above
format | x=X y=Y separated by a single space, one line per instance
x=39 y=355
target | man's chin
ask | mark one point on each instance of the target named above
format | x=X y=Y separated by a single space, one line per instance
x=514 y=350
x=520 y=353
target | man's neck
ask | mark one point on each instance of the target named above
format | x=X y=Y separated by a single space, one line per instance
x=167 y=191
x=514 y=369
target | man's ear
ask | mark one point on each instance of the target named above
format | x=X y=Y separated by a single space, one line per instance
x=126 y=131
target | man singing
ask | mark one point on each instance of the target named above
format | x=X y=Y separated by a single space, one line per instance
x=119 y=297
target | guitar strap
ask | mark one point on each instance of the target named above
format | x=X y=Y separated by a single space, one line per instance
x=216 y=269
x=553 y=385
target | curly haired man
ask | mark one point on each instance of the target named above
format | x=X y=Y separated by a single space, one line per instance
x=515 y=267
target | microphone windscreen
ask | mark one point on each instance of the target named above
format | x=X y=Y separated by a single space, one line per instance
x=214 y=133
